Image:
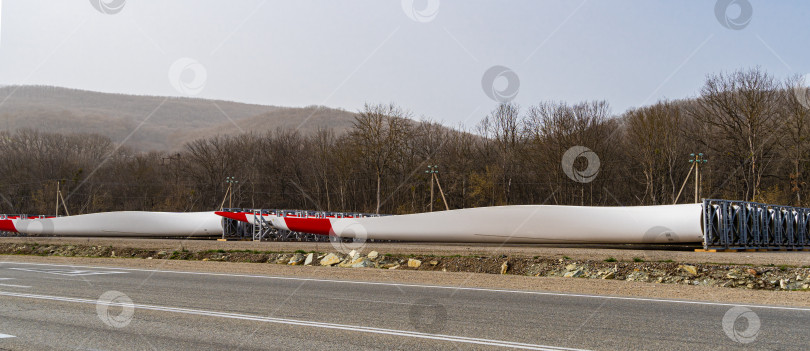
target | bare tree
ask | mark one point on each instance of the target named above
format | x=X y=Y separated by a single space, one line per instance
x=507 y=134
x=796 y=132
x=379 y=133
x=655 y=135
x=741 y=109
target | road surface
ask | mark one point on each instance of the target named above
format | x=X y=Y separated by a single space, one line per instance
x=52 y=306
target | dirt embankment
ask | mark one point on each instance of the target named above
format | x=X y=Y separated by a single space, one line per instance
x=639 y=269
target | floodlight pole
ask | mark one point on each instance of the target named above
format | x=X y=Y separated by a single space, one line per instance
x=696 y=160
x=229 y=192
x=434 y=175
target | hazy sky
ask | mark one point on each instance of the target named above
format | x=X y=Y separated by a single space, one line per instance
x=430 y=56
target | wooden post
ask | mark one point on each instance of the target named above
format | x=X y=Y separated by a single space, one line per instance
x=697 y=182
x=683 y=185
x=431 y=192
x=64 y=205
x=446 y=207
x=57 y=199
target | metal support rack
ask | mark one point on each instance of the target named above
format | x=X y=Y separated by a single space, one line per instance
x=740 y=225
x=264 y=231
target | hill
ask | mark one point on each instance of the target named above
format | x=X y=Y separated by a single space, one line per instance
x=166 y=123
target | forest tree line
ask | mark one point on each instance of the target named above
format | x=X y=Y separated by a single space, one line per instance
x=751 y=127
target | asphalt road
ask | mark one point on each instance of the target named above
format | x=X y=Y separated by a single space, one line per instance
x=47 y=306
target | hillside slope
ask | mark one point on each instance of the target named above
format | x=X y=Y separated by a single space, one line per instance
x=160 y=123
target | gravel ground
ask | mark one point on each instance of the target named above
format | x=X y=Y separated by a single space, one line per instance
x=590 y=252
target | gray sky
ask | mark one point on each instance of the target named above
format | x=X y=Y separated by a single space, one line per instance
x=430 y=57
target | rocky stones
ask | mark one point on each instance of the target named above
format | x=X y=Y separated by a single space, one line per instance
x=296 y=259
x=434 y=263
x=691 y=270
x=787 y=284
x=574 y=271
x=414 y=263
x=606 y=274
x=373 y=255
x=330 y=260
x=574 y=274
x=733 y=274
x=362 y=263
x=349 y=262
x=309 y=259
x=537 y=269
x=504 y=266
x=353 y=255
x=638 y=276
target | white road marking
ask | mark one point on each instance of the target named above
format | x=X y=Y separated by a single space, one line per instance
x=378 y=301
x=346 y=327
x=15 y=286
x=69 y=273
x=527 y=292
x=6 y=336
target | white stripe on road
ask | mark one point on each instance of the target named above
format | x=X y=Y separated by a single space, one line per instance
x=345 y=327
x=12 y=285
x=69 y=273
x=541 y=293
x=6 y=336
x=378 y=301
x=15 y=286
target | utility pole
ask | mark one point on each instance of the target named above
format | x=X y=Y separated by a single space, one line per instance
x=688 y=174
x=434 y=173
x=57 y=199
x=431 y=170
x=229 y=192
x=62 y=198
x=696 y=160
x=446 y=206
